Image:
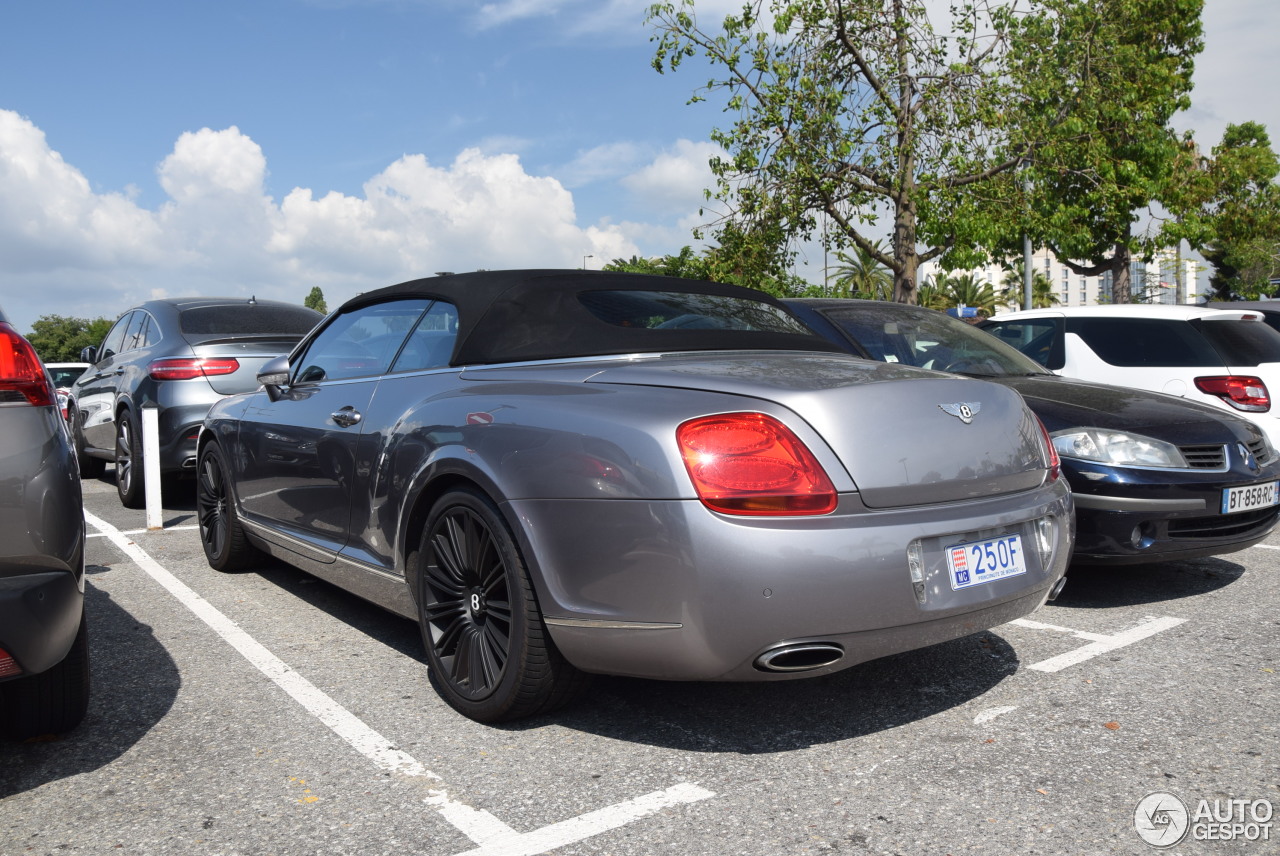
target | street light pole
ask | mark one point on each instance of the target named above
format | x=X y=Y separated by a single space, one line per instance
x=584 y=260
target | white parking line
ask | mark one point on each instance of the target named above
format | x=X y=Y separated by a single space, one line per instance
x=1098 y=643
x=140 y=531
x=494 y=836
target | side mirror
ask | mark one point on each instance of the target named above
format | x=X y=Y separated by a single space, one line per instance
x=89 y=355
x=274 y=374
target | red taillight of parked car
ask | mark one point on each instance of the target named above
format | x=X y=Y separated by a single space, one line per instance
x=185 y=368
x=8 y=666
x=752 y=464
x=1242 y=392
x=21 y=372
x=1054 y=462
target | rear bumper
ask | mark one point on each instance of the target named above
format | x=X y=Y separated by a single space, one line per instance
x=669 y=590
x=39 y=618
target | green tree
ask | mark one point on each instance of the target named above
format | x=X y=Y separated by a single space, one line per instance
x=1228 y=208
x=686 y=264
x=1115 y=154
x=860 y=111
x=1043 y=294
x=59 y=339
x=315 y=300
x=862 y=275
x=964 y=289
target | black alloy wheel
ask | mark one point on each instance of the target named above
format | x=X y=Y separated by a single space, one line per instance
x=226 y=546
x=489 y=654
x=130 y=482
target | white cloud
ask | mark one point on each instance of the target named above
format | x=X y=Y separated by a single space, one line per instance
x=602 y=162
x=67 y=250
x=673 y=183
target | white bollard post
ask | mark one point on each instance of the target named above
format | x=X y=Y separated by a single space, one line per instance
x=151 y=464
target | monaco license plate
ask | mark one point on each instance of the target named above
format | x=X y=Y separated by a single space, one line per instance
x=979 y=562
x=1248 y=498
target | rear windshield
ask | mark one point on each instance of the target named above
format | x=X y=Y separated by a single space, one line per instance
x=931 y=340
x=248 y=319
x=1135 y=342
x=1242 y=343
x=671 y=310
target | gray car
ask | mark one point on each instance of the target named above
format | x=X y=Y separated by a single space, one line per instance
x=560 y=473
x=181 y=355
x=44 y=653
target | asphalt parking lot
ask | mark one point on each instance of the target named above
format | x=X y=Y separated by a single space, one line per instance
x=269 y=713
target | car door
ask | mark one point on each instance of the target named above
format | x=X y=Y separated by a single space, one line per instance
x=296 y=466
x=95 y=390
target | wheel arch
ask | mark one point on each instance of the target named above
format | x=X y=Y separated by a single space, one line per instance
x=434 y=482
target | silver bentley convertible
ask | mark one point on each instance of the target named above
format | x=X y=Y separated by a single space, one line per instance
x=558 y=473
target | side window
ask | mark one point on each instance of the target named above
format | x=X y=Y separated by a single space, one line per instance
x=133 y=336
x=1136 y=342
x=360 y=343
x=1038 y=338
x=150 y=334
x=431 y=344
x=114 y=343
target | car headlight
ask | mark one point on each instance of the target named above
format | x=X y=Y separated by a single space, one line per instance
x=1116 y=447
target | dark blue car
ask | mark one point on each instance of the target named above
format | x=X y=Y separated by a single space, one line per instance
x=1154 y=477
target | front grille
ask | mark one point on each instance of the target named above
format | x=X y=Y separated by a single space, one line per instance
x=1258 y=448
x=1205 y=457
x=1223 y=526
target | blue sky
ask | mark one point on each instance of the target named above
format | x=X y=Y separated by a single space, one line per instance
x=232 y=147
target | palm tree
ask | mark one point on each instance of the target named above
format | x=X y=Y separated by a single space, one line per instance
x=965 y=290
x=862 y=275
x=1043 y=294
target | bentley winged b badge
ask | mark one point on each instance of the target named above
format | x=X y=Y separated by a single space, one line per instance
x=964 y=410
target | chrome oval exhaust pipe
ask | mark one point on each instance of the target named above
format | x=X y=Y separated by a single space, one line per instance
x=800 y=657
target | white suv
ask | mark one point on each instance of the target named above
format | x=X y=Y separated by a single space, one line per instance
x=1228 y=358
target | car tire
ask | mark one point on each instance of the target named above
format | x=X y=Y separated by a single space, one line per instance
x=90 y=467
x=489 y=655
x=130 y=479
x=52 y=702
x=226 y=546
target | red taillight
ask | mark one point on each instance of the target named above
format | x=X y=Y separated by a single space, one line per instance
x=8 y=666
x=1054 y=462
x=1242 y=392
x=21 y=371
x=185 y=368
x=750 y=463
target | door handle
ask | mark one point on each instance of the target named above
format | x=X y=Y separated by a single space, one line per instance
x=346 y=417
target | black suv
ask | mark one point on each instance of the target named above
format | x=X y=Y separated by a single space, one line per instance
x=180 y=355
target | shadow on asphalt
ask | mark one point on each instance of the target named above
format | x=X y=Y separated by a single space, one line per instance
x=749 y=718
x=782 y=716
x=1099 y=587
x=133 y=683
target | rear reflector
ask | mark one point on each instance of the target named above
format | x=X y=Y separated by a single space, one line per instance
x=8 y=666
x=185 y=368
x=1243 y=392
x=752 y=464
x=22 y=375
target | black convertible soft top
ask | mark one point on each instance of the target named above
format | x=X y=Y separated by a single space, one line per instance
x=517 y=315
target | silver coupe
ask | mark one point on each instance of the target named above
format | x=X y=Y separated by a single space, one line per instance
x=559 y=473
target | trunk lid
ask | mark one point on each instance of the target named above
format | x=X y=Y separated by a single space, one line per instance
x=905 y=436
